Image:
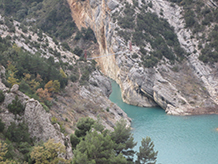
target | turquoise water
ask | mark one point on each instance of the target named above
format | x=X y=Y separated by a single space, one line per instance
x=178 y=139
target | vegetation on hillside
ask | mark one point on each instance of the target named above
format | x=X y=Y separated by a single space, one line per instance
x=15 y=141
x=39 y=77
x=32 y=72
x=93 y=144
x=47 y=15
x=145 y=28
x=17 y=145
x=202 y=19
x=51 y=16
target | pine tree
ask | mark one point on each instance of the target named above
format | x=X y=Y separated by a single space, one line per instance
x=146 y=154
x=93 y=144
x=16 y=107
x=97 y=149
x=124 y=141
x=84 y=125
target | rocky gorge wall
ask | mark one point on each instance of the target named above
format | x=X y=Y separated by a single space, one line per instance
x=191 y=89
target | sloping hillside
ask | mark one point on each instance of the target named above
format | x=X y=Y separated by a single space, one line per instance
x=46 y=89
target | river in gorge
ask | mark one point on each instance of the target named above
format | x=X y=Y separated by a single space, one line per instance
x=178 y=139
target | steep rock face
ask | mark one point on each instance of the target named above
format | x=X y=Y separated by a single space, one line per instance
x=100 y=81
x=190 y=90
x=35 y=117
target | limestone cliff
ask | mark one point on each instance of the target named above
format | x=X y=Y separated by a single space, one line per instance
x=188 y=89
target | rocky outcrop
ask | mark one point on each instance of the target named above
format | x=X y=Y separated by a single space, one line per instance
x=35 y=116
x=102 y=82
x=41 y=128
x=189 y=90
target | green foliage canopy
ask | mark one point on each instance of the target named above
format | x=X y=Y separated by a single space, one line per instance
x=16 y=107
x=99 y=147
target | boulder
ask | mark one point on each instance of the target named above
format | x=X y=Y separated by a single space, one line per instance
x=15 y=88
x=112 y=4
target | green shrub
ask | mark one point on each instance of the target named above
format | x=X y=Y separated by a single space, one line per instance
x=2 y=126
x=88 y=34
x=84 y=125
x=24 y=87
x=78 y=35
x=74 y=77
x=126 y=35
x=150 y=4
x=24 y=28
x=134 y=56
x=2 y=96
x=74 y=140
x=18 y=133
x=78 y=51
x=62 y=128
x=66 y=46
x=45 y=107
x=54 y=120
x=48 y=103
x=16 y=107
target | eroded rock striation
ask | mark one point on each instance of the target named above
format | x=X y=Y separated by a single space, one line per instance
x=190 y=89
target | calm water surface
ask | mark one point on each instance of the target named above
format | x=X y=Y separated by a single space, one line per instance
x=178 y=139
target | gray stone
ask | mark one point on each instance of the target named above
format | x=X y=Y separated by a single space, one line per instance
x=112 y=4
x=2 y=71
x=102 y=82
x=93 y=3
x=15 y=88
x=40 y=126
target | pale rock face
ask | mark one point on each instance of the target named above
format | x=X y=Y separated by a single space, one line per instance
x=40 y=125
x=112 y=4
x=93 y=3
x=192 y=88
x=15 y=88
x=2 y=71
x=175 y=111
x=102 y=82
x=35 y=116
x=96 y=95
